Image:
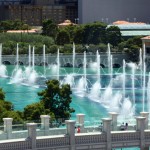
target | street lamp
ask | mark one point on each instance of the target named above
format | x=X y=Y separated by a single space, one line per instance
x=76 y=20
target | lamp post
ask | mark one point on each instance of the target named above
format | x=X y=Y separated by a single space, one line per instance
x=76 y=20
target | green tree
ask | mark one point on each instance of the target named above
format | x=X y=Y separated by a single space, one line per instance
x=49 y=28
x=78 y=35
x=113 y=35
x=71 y=30
x=94 y=33
x=33 y=111
x=2 y=94
x=57 y=99
x=62 y=37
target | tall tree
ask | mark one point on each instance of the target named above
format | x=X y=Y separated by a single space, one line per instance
x=2 y=94
x=94 y=33
x=63 y=37
x=49 y=28
x=113 y=35
x=57 y=99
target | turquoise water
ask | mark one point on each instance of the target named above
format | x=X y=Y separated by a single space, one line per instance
x=21 y=94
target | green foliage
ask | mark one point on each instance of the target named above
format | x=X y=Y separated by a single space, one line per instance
x=78 y=35
x=6 y=109
x=17 y=116
x=131 y=47
x=49 y=28
x=10 y=41
x=53 y=49
x=71 y=30
x=113 y=35
x=13 y=25
x=98 y=30
x=33 y=111
x=67 y=48
x=2 y=94
x=63 y=37
x=57 y=99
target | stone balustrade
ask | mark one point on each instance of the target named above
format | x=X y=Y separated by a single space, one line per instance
x=65 y=60
x=107 y=138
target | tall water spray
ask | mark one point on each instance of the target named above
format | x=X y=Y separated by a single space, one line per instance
x=0 y=54
x=148 y=92
x=58 y=64
x=140 y=60
x=33 y=74
x=33 y=64
x=84 y=69
x=124 y=79
x=28 y=69
x=29 y=56
x=133 y=67
x=44 y=59
x=2 y=67
x=98 y=66
x=17 y=57
x=144 y=77
x=74 y=53
x=96 y=87
x=17 y=75
x=133 y=84
x=111 y=69
x=109 y=58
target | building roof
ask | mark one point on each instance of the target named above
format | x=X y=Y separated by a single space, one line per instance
x=135 y=33
x=146 y=37
x=120 y=22
x=125 y=25
x=66 y=23
x=23 y=31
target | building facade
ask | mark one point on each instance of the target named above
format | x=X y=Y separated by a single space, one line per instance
x=33 y=12
x=112 y=10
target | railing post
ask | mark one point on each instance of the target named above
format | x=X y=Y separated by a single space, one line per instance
x=107 y=130
x=8 y=127
x=113 y=116
x=140 y=126
x=80 y=120
x=146 y=115
x=32 y=134
x=71 y=132
x=45 y=123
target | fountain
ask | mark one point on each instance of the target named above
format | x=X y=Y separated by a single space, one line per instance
x=3 y=70
x=108 y=89
x=17 y=75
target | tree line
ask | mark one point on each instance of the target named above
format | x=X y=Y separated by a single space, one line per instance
x=88 y=37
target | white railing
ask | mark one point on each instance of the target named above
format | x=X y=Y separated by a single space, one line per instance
x=105 y=139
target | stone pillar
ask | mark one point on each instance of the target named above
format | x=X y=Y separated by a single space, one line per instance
x=8 y=126
x=45 y=123
x=146 y=115
x=80 y=120
x=71 y=132
x=107 y=130
x=32 y=134
x=113 y=116
x=140 y=126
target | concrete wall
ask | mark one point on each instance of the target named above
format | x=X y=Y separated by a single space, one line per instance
x=111 y=10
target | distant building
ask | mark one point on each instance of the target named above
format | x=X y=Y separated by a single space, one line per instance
x=33 y=12
x=146 y=43
x=130 y=29
x=111 y=10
